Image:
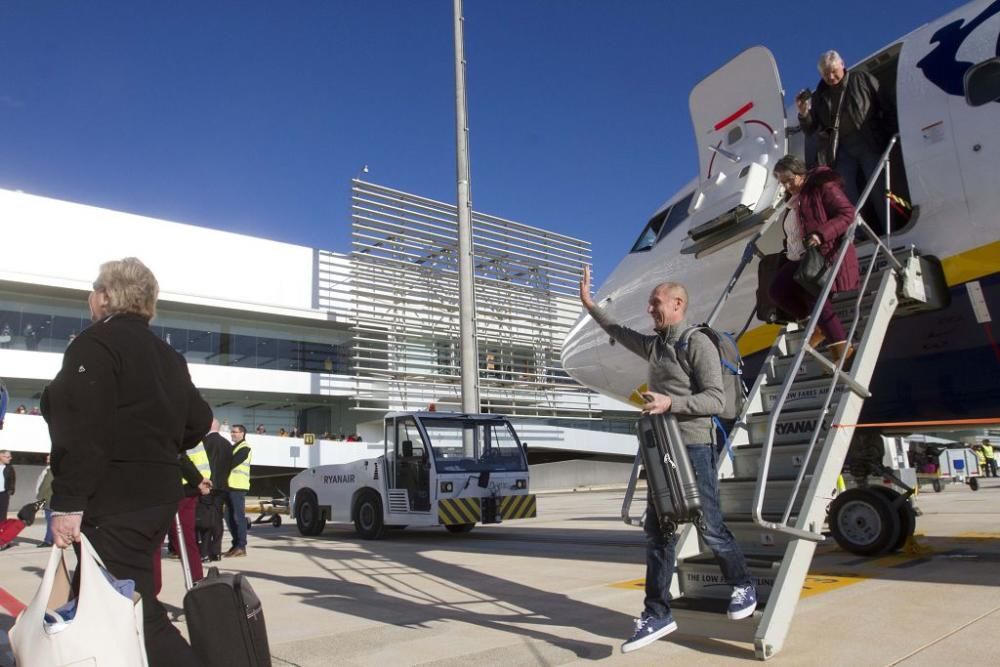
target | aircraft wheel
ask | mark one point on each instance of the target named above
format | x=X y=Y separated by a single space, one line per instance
x=937 y=486
x=863 y=522
x=974 y=483
x=369 y=521
x=459 y=528
x=907 y=516
x=308 y=516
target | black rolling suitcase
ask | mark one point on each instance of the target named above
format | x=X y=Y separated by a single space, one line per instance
x=226 y=622
x=673 y=488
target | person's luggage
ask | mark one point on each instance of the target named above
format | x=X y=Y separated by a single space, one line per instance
x=9 y=529
x=767 y=310
x=673 y=487
x=226 y=622
x=101 y=625
x=27 y=512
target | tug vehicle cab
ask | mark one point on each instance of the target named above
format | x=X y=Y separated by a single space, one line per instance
x=437 y=469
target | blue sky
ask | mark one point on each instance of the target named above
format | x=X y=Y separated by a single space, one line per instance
x=253 y=116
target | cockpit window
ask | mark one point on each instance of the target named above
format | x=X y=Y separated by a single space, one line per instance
x=661 y=224
x=678 y=214
x=650 y=233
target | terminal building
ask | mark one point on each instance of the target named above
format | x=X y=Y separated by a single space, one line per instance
x=291 y=340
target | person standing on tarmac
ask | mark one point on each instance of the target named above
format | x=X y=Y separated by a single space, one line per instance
x=991 y=462
x=239 y=484
x=219 y=455
x=694 y=397
x=120 y=411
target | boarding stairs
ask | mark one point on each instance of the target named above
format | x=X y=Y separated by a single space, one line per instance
x=788 y=448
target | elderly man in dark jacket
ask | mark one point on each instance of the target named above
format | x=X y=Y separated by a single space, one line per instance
x=852 y=120
x=120 y=411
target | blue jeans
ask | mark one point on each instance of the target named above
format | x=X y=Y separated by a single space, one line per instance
x=49 y=537
x=660 y=556
x=236 y=518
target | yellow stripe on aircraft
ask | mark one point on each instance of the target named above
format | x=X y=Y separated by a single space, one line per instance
x=958 y=269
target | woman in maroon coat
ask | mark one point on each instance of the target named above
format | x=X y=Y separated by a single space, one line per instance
x=819 y=214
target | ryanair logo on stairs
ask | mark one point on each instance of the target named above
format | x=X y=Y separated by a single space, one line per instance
x=455 y=511
x=518 y=507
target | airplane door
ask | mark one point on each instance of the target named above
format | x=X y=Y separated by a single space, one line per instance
x=411 y=464
x=738 y=115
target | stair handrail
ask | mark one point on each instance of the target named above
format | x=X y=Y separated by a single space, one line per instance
x=757 y=513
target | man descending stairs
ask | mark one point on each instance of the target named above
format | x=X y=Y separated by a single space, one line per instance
x=787 y=450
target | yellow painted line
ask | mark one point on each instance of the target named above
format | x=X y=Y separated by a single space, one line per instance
x=814 y=584
x=822 y=583
x=631 y=584
x=974 y=534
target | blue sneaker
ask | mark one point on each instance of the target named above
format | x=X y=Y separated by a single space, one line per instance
x=742 y=602
x=647 y=630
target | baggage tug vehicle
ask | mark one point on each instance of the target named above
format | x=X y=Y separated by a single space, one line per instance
x=437 y=469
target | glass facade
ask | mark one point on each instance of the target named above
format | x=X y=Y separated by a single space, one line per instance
x=49 y=324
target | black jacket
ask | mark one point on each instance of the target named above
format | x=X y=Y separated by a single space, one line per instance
x=120 y=411
x=9 y=479
x=867 y=106
x=220 y=456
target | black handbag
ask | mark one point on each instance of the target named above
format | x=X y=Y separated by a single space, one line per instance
x=812 y=270
x=27 y=513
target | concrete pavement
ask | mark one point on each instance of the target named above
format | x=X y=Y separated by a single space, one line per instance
x=561 y=589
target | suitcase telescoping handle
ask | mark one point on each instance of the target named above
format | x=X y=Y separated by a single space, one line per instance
x=681 y=461
x=182 y=551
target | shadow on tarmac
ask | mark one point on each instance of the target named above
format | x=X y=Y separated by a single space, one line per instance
x=468 y=596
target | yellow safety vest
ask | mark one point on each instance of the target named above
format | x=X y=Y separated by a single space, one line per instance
x=988 y=451
x=239 y=477
x=199 y=457
x=980 y=456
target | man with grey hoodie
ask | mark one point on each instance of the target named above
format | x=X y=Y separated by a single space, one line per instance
x=691 y=389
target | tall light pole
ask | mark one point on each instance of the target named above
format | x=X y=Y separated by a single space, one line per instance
x=466 y=275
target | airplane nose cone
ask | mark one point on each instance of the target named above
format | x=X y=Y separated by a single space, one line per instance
x=581 y=353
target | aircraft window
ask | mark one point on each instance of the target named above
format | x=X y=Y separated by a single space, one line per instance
x=734 y=135
x=982 y=83
x=678 y=214
x=650 y=233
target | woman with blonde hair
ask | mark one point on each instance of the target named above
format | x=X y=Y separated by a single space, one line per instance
x=120 y=412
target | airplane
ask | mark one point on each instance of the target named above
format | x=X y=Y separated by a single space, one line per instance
x=937 y=369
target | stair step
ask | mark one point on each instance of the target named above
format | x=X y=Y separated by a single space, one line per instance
x=786 y=459
x=700 y=576
x=706 y=617
x=792 y=426
x=803 y=395
x=736 y=495
x=756 y=541
x=776 y=369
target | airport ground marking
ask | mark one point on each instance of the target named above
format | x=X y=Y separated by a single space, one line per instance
x=10 y=603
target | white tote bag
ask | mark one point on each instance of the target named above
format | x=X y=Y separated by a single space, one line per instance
x=105 y=632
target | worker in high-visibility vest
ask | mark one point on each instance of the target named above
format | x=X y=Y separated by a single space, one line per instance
x=195 y=480
x=239 y=484
x=981 y=457
x=991 y=462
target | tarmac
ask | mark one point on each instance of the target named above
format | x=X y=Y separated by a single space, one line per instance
x=563 y=588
